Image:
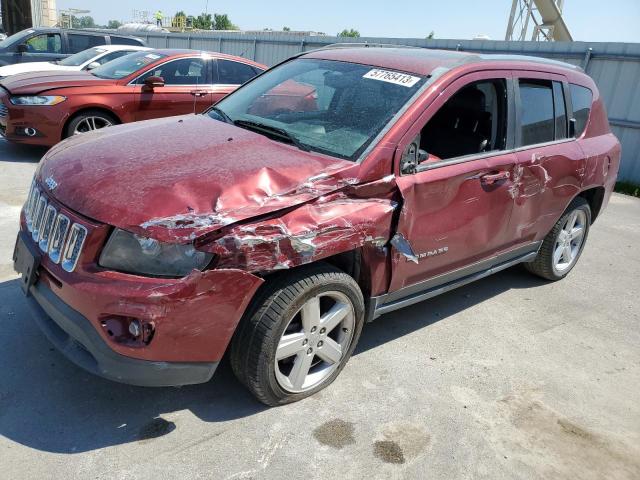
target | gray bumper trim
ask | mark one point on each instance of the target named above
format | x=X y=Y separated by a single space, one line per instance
x=77 y=339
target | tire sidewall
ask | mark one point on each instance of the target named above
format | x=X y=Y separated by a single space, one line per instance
x=268 y=369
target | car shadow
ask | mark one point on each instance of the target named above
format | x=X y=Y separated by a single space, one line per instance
x=49 y=404
x=13 y=152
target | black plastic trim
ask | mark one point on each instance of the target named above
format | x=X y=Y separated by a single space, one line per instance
x=77 y=339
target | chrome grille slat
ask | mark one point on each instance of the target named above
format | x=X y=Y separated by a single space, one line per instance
x=38 y=217
x=4 y=111
x=58 y=237
x=74 y=245
x=46 y=226
x=53 y=231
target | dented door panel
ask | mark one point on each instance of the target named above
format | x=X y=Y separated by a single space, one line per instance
x=452 y=218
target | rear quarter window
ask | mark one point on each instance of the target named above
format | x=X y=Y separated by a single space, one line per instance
x=581 y=99
x=126 y=41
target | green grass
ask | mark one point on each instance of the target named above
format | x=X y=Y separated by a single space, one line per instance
x=628 y=188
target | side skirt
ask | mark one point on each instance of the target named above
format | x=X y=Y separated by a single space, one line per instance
x=448 y=281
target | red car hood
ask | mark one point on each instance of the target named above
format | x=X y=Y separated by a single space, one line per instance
x=37 y=82
x=177 y=178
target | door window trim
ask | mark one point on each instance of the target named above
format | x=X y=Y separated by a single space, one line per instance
x=207 y=61
x=485 y=75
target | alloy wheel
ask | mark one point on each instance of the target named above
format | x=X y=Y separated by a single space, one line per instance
x=88 y=124
x=315 y=342
x=569 y=242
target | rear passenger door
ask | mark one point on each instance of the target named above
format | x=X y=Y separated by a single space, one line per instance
x=550 y=165
x=187 y=89
x=229 y=75
x=457 y=203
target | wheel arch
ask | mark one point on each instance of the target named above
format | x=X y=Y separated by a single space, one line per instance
x=595 y=198
x=84 y=109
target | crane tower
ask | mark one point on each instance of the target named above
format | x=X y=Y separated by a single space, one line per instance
x=538 y=20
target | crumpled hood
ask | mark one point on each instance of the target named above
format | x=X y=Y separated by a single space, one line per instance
x=177 y=178
x=38 y=82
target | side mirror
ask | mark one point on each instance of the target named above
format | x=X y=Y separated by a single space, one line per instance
x=22 y=48
x=153 y=82
x=423 y=156
x=92 y=65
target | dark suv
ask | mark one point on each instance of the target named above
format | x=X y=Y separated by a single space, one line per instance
x=45 y=44
x=274 y=230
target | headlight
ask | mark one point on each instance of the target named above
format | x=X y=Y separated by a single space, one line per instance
x=38 y=100
x=131 y=253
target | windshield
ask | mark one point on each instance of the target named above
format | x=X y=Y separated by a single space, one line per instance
x=125 y=66
x=81 y=57
x=332 y=107
x=15 y=38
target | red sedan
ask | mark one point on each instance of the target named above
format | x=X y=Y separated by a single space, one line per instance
x=43 y=108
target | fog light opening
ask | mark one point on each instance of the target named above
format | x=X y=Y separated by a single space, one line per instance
x=30 y=132
x=128 y=330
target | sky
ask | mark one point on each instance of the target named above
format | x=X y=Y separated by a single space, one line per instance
x=588 y=20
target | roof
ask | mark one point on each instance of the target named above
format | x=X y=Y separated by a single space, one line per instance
x=82 y=31
x=186 y=51
x=418 y=60
x=115 y=47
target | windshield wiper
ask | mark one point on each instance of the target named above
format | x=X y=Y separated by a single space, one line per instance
x=273 y=131
x=220 y=112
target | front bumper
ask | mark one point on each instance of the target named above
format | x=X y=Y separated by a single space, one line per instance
x=47 y=121
x=74 y=336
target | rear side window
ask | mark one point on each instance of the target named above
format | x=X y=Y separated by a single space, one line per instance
x=78 y=43
x=125 y=41
x=537 y=120
x=234 y=73
x=581 y=98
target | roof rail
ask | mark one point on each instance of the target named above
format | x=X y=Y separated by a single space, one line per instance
x=366 y=44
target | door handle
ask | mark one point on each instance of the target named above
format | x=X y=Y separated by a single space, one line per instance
x=198 y=93
x=491 y=178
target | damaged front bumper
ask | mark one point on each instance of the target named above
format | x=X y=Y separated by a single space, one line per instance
x=74 y=336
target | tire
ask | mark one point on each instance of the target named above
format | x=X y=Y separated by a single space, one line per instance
x=551 y=267
x=84 y=120
x=277 y=312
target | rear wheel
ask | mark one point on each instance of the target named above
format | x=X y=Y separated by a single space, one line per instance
x=298 y=335
x=89 y=121
x=563 y=246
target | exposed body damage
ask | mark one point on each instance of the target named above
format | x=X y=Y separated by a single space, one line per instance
x=280 y=233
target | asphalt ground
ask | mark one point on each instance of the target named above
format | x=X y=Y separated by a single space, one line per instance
x=510 y=377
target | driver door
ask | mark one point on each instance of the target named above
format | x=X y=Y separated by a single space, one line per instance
x=457 y=203
x=188 y=89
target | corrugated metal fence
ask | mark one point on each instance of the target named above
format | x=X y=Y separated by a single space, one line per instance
x=615 y=67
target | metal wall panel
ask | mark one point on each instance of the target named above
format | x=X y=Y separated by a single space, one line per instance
x=615 y=67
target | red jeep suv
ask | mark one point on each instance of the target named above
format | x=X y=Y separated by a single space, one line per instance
x=274 y=230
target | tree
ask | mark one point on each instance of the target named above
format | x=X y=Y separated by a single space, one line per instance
x=202 y=21
x=221 y=22
x=349 y=33
x=431 y=35
x=286 y=29
x=113 y=24
x=86 y=22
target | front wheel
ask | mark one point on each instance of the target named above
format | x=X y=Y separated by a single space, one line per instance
x=89 y=121
x=299 y=334
x=563 y=245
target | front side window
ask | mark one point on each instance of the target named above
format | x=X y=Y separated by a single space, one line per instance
x=45 y=43
x=79 y=58
x=581 y=98
x=537 y=121
x=472 y=121
x=332 y=107
x=78 y=43
x=234 y=73
x=184 y=71
x=560 y=111
x=124 y=66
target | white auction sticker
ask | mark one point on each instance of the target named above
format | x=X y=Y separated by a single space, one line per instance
x=403 y=79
